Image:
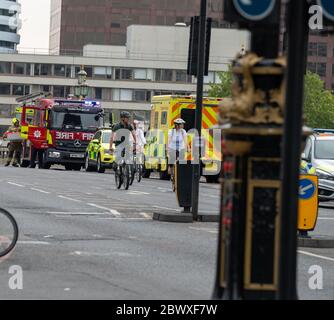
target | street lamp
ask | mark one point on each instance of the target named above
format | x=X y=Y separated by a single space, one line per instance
x=81 y=89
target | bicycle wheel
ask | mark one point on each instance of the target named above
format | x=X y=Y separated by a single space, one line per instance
x=139 y=172
x=132 y=173
x=126 y=176
x=118 y=177
x=9 y=232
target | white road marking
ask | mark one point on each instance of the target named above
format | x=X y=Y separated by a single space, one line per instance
x=71 y=199
x=104 y=254
x=315 y=255
x=33 y=242
x=145 y=215
x=323 y=218
x=134 y=192
x=41 y=191
x=112 y=211
x=16 y=184
x=79 y=213
x=205 y=230
x=170 y=209
x=122 y=219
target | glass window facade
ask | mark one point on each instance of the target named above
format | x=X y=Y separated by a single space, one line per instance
x=75 y=23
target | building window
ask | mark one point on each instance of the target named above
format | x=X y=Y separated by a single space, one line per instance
x=19 y=68
x=45 y=89
x=115 y=94
x=59 y=70
x=43 y=69
x=5 y=28
x=321 y=69
x=5 y=110
x=182 y=76
x=210 y=78
x=7 y=13
x=5 y=67
x=21 y=89
x=7 y=44
x=4 y=89
x=322 y=49
x=162 y=93
x=140 y=74
x=311 y=66
x=139 y=95
x=59 y=91
x=115 y=25
x=163 y=75
x=125 y=95
x=312 y=49
x=103 y=72
x=98 y=93
x=123 y=74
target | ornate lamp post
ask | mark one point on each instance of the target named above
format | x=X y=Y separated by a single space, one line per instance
x=81 y=89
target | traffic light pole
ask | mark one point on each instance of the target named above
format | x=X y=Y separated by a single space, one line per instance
x=297 y=40
x=199 y=102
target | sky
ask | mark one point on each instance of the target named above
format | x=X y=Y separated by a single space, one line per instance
x=35 y=16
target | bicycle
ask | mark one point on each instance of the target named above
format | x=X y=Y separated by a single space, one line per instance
x=137 y=168
x=123 y=174
x=9 y=232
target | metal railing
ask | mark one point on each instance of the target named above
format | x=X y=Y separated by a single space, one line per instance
x=91 y=53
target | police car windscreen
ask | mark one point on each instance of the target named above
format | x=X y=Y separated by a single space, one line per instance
x=75 y=121
x=106 y=137
x=324 y=149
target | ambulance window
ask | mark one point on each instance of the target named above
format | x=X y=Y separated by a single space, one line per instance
x=164 y=118
x=156 y=120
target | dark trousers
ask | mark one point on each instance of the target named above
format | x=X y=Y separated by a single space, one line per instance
x=34 y=154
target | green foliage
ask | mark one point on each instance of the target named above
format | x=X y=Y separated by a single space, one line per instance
x=318 y=104
x=222 y=89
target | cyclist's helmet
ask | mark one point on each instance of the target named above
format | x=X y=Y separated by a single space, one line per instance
x=125 y=114
x=179 y=121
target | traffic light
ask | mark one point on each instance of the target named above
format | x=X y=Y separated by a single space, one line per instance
x=193 y=46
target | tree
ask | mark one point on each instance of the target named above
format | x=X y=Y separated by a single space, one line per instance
x=318 y=103
x=222 y=89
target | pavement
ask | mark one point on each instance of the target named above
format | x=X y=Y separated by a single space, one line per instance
x=80 y=238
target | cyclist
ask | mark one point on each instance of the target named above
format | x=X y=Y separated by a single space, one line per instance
x=121 y=137
x=177 y=141
x=141 y=141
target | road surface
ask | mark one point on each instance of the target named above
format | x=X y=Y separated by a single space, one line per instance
x=80 y=238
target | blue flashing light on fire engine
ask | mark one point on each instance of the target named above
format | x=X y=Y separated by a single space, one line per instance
x=92 y=103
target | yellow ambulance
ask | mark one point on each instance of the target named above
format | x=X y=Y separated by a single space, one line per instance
x=164 y=110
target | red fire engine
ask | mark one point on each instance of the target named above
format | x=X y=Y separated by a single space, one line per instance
x=59 y=130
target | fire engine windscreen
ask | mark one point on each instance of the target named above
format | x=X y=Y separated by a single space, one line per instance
x=67 y=119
